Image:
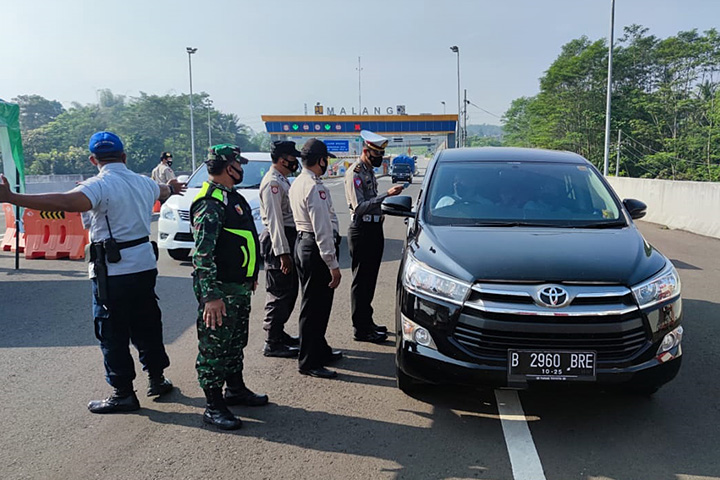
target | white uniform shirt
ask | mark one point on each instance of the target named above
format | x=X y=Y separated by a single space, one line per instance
x=313 y=212
x=275 y=209
x=162 y=173
x=126 y=198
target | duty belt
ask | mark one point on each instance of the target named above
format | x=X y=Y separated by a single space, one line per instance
x=367 y=218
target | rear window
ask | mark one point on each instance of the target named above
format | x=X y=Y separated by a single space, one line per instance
x=556 y=194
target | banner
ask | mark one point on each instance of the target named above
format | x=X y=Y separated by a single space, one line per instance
x=11 y=145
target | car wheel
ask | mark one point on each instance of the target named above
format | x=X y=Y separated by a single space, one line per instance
x=406 y=383
x=179 y=253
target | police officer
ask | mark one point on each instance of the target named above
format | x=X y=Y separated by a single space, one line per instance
x=226 y=262
x=163 y=172
x=365 y=234
x=123 y=269
x=277 y=244
x=316 y=259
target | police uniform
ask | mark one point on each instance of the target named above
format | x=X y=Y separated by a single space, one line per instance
x=226 y=263
x=162 y=173
x=315 y=255
x=278 y=238
x=365 y=238
x=125 y=307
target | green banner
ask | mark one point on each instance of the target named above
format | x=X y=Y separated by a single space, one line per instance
x=11 y=144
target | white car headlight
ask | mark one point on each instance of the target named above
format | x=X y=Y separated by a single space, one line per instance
x=256 y=214
x=420 y=278
x=167 y=213
x=661 y=287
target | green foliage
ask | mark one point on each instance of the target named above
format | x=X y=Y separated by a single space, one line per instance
x=148 y=125
x=665 y=100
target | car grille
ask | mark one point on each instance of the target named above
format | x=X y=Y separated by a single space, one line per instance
x=603 y=319
x=184 y=237
x=184 y=215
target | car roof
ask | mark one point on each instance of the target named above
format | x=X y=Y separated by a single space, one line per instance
x=509 y=154
x=256 y=155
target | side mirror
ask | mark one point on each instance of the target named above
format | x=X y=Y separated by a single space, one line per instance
x=398 y=206
x=635 y=208
x=183 y=178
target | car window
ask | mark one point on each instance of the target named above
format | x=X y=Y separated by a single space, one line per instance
x=402 y=167
x=526 y=192
x=253 y=172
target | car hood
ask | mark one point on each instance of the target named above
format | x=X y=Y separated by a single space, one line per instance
x=183 y=202
x=615 y=256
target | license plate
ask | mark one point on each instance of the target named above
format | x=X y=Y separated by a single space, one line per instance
x=551 y=365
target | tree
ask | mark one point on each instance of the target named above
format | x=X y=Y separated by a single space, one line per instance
x=36 y=111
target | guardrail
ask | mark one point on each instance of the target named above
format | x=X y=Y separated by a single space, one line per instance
x=690 y=206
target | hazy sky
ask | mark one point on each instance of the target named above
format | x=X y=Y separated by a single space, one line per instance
x=273 y=56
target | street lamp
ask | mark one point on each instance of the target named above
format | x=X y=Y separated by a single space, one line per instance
x=609 y=88
x=209 y=107
x=455 y=49
x=443 y=104
x=190 y=51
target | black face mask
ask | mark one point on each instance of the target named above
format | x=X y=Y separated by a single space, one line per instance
x=376 y=161
x=323 y=166
x=292 y=166
x=169 y=163
x=237 y=181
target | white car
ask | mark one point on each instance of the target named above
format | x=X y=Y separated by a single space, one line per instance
x=174 y=233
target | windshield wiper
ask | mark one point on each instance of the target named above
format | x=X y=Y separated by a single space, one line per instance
x=505 y=224
x=600 y=225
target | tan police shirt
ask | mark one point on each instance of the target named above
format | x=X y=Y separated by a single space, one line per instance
x=313 y=212
x=162 y=173
x=275 y=209
x=361 y=190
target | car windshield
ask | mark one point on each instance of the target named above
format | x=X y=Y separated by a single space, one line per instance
x=402 y=167
x=520 y=193
x=253 y=173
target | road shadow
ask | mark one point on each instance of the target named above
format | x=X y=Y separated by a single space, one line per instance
x=391 y=252
x=680 y=265
x=50 y=313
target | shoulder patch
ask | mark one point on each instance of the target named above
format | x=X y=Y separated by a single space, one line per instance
x=358 y=182
x=357 y=168
x=323 y=195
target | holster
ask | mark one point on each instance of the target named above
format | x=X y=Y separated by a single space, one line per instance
x=97 y=258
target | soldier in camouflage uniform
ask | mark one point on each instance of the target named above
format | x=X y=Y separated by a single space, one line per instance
x=226 y=262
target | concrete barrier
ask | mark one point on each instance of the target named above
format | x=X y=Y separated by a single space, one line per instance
x=690 y=206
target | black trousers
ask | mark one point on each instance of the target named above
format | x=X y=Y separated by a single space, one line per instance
x=131 y=314
x=281 y=289
x=366 y=243
x=316 y=302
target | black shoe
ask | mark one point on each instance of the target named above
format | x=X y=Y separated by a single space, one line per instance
x=290 y=341
x=237 y=393
x=119 y=401
x=216 y=411
x=380 y=328
x=280 y=350
x=158 y=386
x=334 y=356
x=372 y=337
x=321 y=372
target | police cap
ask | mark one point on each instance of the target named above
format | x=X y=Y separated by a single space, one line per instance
x=373 y=141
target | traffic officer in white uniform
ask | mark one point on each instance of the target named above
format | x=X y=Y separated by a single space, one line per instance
x=316 y=259
x=365 y=235
x=123 y=266
x=277 y=245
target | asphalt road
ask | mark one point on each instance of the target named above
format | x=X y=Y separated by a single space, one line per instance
x=355 y=427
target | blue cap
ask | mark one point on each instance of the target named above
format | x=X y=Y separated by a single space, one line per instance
x=102 y=143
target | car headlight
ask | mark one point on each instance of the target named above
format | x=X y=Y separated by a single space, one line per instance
x=412 y=332
x=256 y=214
x=663 y=286
x=167 y=213
x=420 y=278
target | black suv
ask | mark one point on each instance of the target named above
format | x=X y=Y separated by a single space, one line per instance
x=522 y=266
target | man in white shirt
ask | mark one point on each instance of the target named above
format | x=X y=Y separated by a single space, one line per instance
x=123 y=266
x=163 y=172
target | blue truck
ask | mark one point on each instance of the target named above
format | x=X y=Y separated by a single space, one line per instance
x=403 y=168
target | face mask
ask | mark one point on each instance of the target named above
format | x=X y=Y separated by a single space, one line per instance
x=376 y=161
x=169 y=163
x=292 y=166
x=323 y=166
x=237 y=181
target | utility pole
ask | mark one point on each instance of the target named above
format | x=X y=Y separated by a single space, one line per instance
x=609 y=87
x=209 y=106
x=359 y=69
x=617 y=162
x=456 y=49
x=465 y=104
x=190 y=51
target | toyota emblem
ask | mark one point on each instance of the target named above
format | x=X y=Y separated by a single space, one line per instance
x=553 y=296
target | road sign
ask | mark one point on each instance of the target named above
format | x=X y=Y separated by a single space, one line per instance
x=337 y=145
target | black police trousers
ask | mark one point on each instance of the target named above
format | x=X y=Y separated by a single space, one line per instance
x=316 y=302
x=281 y=289
x=366 y=243
x=131 y=314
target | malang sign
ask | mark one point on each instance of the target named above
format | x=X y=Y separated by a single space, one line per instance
x=399 y=110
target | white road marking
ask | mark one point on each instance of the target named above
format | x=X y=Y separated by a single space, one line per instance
x=524 y=458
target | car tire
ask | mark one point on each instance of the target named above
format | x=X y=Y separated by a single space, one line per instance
x=179 y=253
x=406 y=383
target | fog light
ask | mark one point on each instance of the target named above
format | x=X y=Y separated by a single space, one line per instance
x=163 y=236
x=671 y=340
x=422 y=336
x=412 y=332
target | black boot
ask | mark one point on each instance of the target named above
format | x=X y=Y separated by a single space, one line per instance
x=122 y=400
x=281 y=350
x=158 y=385
x=237 y=393
x=217 y=413
x=290 y=341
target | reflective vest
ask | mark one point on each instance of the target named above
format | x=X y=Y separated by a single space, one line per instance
x=236 y=255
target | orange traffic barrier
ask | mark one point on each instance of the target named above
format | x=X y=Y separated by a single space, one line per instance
x=54 y=235
x=156 y=207
x=8 y=240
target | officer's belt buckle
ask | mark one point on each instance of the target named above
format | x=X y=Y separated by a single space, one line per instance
x=372 y=218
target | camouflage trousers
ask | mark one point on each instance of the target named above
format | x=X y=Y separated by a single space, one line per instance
x=220 y=351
